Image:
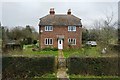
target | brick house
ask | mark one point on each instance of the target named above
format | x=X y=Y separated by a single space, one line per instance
x=60 y=30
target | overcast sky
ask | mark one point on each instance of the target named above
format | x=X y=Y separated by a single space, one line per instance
x=28 y=13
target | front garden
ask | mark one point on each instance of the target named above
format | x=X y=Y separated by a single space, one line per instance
x=88 y=51
x=28 y=50
x=85 y=63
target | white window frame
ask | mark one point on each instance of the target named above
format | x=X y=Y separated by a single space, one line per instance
x=47 y=28
x=70 y=41
x=71 y=28
x=48 y=41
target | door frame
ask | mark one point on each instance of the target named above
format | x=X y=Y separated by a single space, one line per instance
x=60 y=43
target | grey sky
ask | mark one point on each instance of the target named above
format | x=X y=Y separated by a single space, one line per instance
x=28 y=13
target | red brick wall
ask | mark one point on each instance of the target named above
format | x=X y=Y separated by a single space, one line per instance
x=61 y=30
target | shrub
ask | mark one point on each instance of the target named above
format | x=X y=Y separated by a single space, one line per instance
x=54 y=49
x=27 y=67
x=50 y=49
x=47 y=49
x=100 y=66
x=34 y=41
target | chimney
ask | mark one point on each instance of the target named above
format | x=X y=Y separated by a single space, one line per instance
x=69 y=12
x=52 y=12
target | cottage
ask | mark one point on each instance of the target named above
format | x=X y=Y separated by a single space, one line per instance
x=60 y=30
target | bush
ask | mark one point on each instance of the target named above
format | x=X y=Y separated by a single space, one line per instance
x=101 y=66
x=27 y=67
x=54 y=49
x=47 y=49
x=34 y=41
x=50 y=49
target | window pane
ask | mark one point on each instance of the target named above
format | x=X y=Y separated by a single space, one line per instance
x=74 y=28
x=50 y=41
x=51 y=28
x=71 y=28
x=73 y=41
x=45 y=41
x=69 y=40
x=46 y=28
x=60 y=42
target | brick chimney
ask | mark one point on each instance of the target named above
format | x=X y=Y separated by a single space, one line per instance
x=69 y=12
x=52 y=12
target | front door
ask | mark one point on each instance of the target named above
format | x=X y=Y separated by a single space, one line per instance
x=60 y=44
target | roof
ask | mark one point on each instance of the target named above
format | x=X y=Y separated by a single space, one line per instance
x=60 y=20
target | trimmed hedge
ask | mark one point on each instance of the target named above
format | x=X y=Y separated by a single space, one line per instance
x=94 y=78
x=27 y=67
x=101 y=66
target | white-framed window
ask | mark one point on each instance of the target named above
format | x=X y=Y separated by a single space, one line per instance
x=71 y=28
x=48 y=28
x=72 y=41
x=48 y=41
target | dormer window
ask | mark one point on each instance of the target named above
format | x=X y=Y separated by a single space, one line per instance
x=71 y=28
x=48 y=28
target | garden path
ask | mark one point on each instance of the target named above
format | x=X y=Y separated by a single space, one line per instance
x=61 y=73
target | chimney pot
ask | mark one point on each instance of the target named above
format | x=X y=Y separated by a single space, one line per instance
x=52 y=12
x=69 y=12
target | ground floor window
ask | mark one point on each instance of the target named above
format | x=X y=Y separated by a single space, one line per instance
x=72 y=41
x=48 y=41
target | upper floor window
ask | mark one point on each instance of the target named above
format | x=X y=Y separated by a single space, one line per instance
x=48 y=28
x=71 y=28
x=72 y=41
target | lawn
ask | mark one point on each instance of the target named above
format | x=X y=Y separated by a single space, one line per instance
x=81 y=77
x=27 y=50
x=88 y=52
x=46 y=77
x=83 y=52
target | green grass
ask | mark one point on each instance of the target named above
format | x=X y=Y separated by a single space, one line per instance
x=83 y=52
x=48 y=75
x=81 y=77
x=27 y=50
x=87 y=51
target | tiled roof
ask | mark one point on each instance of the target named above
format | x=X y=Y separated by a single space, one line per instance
x=60 y=20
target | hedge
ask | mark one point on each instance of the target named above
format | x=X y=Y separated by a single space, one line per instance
x=27 y=67
x=101 y=66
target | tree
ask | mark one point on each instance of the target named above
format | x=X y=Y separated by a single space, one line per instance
x=105 y=29
x=16 y=33
x=85 y=35
x=27 y=34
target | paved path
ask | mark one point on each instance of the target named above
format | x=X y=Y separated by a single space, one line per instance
x=61 y=73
